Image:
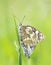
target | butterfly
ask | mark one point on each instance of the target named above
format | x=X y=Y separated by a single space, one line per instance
x=29 y=38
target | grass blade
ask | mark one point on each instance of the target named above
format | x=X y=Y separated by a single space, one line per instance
x=17 y=34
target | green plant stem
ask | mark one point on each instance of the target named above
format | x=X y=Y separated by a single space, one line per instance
x=17 y=34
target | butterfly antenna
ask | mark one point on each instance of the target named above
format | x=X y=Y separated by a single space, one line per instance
x=22 y=20
x=16 y=18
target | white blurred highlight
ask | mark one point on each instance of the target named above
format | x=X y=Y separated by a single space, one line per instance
x=15 y=44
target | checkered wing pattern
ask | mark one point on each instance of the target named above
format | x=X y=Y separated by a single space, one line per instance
x=29 y=37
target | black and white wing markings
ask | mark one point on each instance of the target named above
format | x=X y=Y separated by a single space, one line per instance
x=29 y=36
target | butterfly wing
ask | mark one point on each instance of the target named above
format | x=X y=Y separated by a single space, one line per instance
x=29 y=37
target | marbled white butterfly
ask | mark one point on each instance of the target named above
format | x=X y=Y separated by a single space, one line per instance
x=29 y=38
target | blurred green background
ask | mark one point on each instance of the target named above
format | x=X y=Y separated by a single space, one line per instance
x=38 y=15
